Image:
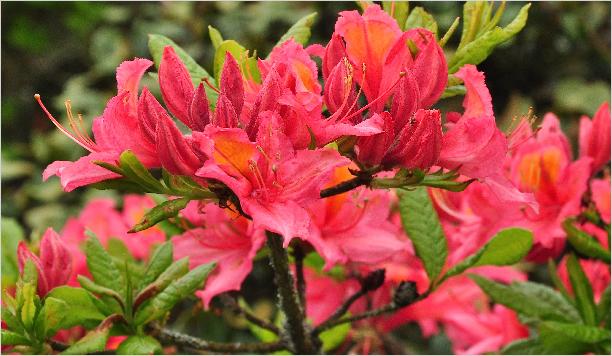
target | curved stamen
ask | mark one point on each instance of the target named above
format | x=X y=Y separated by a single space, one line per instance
x=78 y=137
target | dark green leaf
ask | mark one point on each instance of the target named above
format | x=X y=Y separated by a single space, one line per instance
x=449 y=33
x=421 y=223
x=140 y=345
x=563 y=338
x=91 y=286
x=177 y=290
x=102 y=267
x=163 y=211
x=158 y=262
x=138 y=173
x=508 y=247
x=66 y=307
x=480 y=48
x=554 y=276
x=419 y=18
x=603 y=308
x=530 y=299
x=156 y=47
x=582 y=290
x=584 y=243
x=94 y=341
x=300 y=31
x=531 y=346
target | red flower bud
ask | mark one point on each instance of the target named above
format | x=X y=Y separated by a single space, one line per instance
x=339 y=92
x=231 y=83
x=595 y=137
x=175 y=153
x=406 y=101
x=429 y=67
x=225 y=115
x=199 y=112
x=176 y=85
x=372 y=149
x=334 y=52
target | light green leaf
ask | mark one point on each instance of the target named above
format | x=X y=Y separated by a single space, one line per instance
x=177 y=290
x=582 y=290
x=453 y=90
x=163 y=211
x=423 y=227
x=136 y=171
x=584 y=243
x=28 y=308
x=66 y=307
x=332 y=338
x=94 y=341
x=300 y=31
x=419 y=18
x=508 y=247
x=530 y=299
x=140 y=345
x=158 y=262
x=398 y=10
x=215 y=36
x=480 y=48
x=472 y=21
x=11 y=338
x=102 y=267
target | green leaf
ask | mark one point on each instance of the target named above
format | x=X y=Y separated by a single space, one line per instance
x=156 y=47
x=582 y=290
x=449 y=33
x=177 y=290
x=120 y=184
x=215 y=37
x=508 y=247
x=94 y=341
x=12 y=338
x=140 y=345
x=28 y=308
x=422 y=225
x=530 y=299
x=300 y=31
x=119 y=250
x=603 y=308
x=472 y=21
x=12 y=322
x=419 y=18
x=12 y=233
x=584 y=243
x=453 y=90
x=554 y=277
x=163 y=211
x=66 y=307
x=136 y=171
x=332 y=338
x=398 y=10
x=480 y=48
x=102 y=267
x=363 y=4
x=158 y=262
x=531 y=346
x=564 y=338
x=92 y=287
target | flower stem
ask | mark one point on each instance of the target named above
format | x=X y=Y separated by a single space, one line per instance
x=298 y=255
x=289 y=301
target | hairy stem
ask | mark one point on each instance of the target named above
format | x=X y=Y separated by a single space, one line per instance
x=195 y=343
x=298 y=254
x=288 y=299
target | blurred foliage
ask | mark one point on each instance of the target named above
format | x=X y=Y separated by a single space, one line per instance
x=560 y=62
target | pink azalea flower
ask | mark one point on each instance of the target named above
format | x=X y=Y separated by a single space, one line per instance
x=543 y=166
x=222 y=237
x=273 y=182
x=115 y=131
x=353 y=225
x=600 y=194
x=53 y=264
x=595 y=137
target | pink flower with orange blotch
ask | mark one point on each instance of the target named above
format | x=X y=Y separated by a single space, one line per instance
x=53 y=264
x=376 y=47
x=117 y=130
x=354 y=225
x=594 y=137
x=543 y=166
x=223 y=237
x=273 y=182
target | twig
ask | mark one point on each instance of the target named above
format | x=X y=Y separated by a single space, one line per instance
x=301 y=340
x=230 y=302
x=341 y=310
x=195 y=343
x=298 y=255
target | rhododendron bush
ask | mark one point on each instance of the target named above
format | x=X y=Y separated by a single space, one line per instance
x=332 y=164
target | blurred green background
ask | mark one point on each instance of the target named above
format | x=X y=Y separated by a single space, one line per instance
x=560 y=62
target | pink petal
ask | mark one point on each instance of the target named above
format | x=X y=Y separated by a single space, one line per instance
x=477 y=100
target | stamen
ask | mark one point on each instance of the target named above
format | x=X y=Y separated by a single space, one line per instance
x=209 y=84
x=258 y=176
x=77 y=138
x=336 y=115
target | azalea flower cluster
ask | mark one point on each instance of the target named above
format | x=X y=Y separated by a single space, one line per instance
x=300 y=158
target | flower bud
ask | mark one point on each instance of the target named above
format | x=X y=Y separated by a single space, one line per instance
x=176 y=85
x=175 y=153
x=429 y=67
x=405 y=294
x=225 y=115
x=339 y=91
x=418 y=143
x=231 y=83
x=373 y=280
x=199 y=112
x=595 y=137
x=334 y=52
